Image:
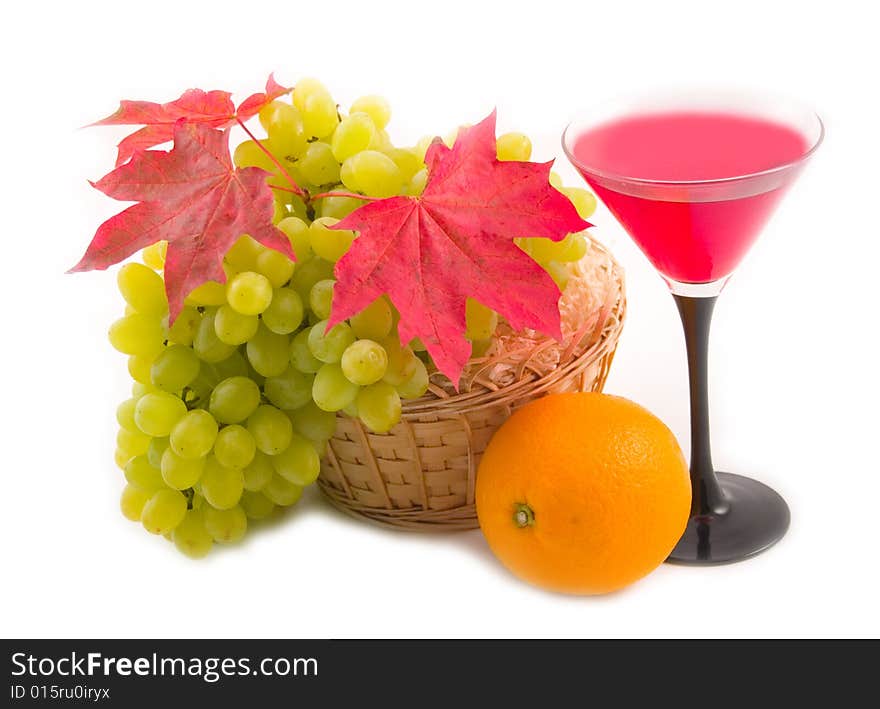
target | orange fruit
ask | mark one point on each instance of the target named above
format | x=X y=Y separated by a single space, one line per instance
x=582 y=493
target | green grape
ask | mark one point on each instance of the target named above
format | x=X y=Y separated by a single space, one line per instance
x=185 y=326
x=125 y=415
x=353 y=134
x=328 y=347
x=280 y=209
x=285 y=312
x=258 y=472
x=381 y=142
x=191 y=536
x=301 y=356
x=407 y=161
x=282 y=118
x=268 y=352
x=376 y=107
x=299 y=462
x=417 y=384
x=154 y=255
x=319 y=113
x=225 y=526
x=221 y=485
x=558 y=272
x=480 y=347
x=308 y=273
x=199 y=390
x=121 y=458
x=132 y=443
x=138 y=389
x=338 y=207
x=290 y=390
x=209 y=294
x=250 y=154
x=379 y=407
x=372 y=173
x=373 y=322
x=539 y=248
x=313 y=423
x=193 y=436
x=233 y=328
x=416 y=345
x=297 y=232
x=156 y=450
x=234 y=399
x=206 y=344
x=296 y=208
x=256 y=505
x=282 y=492
x=321 y=298
x=233 y=366
x=256 y=377
x=331 y=390
x=137 y=334
x=481 y=321
x=287 y=137
x=249 y=293
x=242 y=255
x=142 y=288
x=330 y=244
x=555 y=180
x=181 y=473
x=163 y=511
x=275 y=266
x=572 y=248
x=417 y=183
x=267 y=113
x=270 y=428
x=401 y=360
x=175 y=368
x=234 y=447
x=132 y=502
x=157 y=413
x=513 y=146
x=364 y=362
x=142 y=475
x=318 y=165
x=583 y=200
x=139 y=368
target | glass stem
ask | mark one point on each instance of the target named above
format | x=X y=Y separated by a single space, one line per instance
x=696 y=317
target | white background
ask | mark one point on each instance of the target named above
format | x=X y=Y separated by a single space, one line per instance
x=794 y=356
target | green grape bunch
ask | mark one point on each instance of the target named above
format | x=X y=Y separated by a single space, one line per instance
x=233 y=404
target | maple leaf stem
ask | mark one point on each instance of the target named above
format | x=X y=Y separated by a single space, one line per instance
x=337 y=193
x=297 y=190
x=284 y=189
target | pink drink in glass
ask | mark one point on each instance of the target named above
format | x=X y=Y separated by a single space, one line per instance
x=691 y=231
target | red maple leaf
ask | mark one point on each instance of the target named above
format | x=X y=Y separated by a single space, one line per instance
x=455 y=241
x=211 y=108
x=192 y=197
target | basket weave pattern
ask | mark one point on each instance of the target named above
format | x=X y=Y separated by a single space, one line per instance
x=421 y=475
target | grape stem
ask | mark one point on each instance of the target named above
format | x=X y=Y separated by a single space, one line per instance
x=285 y=189
x=296 y=189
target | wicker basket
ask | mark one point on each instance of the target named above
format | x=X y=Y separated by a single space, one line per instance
x=421 y=474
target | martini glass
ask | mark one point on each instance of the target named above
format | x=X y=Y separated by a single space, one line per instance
x=693 y=178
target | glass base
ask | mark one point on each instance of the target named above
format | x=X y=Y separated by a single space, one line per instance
x=757 y=518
